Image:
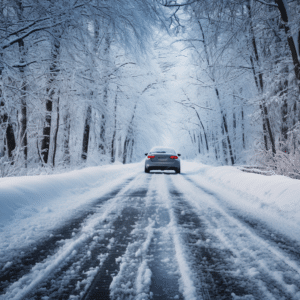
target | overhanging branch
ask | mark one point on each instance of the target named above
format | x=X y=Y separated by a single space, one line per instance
x=266 y=3
x=178 y=4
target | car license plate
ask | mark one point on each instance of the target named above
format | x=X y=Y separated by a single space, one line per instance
x=162 y=158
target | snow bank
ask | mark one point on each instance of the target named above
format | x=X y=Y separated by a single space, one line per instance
x=41 y=202
x=273 y=199
x=20 y=193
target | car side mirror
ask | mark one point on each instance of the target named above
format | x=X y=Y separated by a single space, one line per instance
x=146 y=154
x=179 y=154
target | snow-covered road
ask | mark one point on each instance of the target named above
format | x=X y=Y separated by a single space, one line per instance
x=158 y=236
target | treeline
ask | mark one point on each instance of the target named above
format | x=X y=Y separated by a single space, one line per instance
x=68 y=88
x=73 y=93
x=247 y=70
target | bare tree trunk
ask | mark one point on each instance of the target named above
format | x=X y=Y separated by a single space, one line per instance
x=268 y=123
x=86 y=133
x=283 y=9
x=243 y=129
x=54 y=70
x=9 y=130
x=129 y=136
x=47 y=132
x=23 y=115
x=131 y=150
x=191 y=137
x=113 y=150
x=55 y=133
x=205 y=137
x=120 y=148
x=4 y=118
x=125 y=148
x=284 y=111
x=234 y=125
x=67 y=128
x=23 y=129
x=10 y=140
x=225 y=128
x=102 y=145
x=23 y=118
x=260 y=106
x=215 y=144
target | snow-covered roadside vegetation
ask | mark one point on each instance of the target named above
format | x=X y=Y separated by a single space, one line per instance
x=247 y=72
x=72 y=83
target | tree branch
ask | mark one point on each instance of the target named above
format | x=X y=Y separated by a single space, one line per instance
x=266 y=3
x=16 y=40
x=179 y=5
x=191 y=105
x=24 y=64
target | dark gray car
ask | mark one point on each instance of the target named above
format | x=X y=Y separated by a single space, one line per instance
x=162 y=158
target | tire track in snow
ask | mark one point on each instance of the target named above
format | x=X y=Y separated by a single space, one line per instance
x=165 y=278
x=275 y=275
x=288 y=246
x=99 y=288
x=214 y=275
x=134 y=276
x=140 y=265
x=123 y=226
x=291 y=248
x=147 y=268
x=21 y=264
x=23 y=287
x=187 y=284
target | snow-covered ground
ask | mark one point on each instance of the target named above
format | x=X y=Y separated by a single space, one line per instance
x=274 y=200
x=208 y=233
x=31 y=206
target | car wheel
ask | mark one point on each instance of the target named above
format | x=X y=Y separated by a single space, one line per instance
x=147 y=170
x=177 y=170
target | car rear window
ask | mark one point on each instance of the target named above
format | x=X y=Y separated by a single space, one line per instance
x=162 y=150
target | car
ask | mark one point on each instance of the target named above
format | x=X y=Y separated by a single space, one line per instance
x=162 y=158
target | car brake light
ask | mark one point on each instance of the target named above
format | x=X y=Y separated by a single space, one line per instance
x=151 y=156
x=174 y=157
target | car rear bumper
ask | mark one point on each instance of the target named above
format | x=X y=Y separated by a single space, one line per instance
x=162 y=165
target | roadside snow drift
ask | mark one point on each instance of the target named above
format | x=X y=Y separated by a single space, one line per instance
x=273 y=199
x=37 y=192
x=30 y=207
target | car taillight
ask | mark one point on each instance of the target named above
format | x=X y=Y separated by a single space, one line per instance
x=151 y=156
x=174 y=157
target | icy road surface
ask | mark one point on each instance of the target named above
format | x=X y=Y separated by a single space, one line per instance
x=156 y=236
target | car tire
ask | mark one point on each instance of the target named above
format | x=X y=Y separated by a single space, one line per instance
x=147 y=170
x=177 y=171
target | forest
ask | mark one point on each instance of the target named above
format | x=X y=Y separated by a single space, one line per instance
x=91 y=82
